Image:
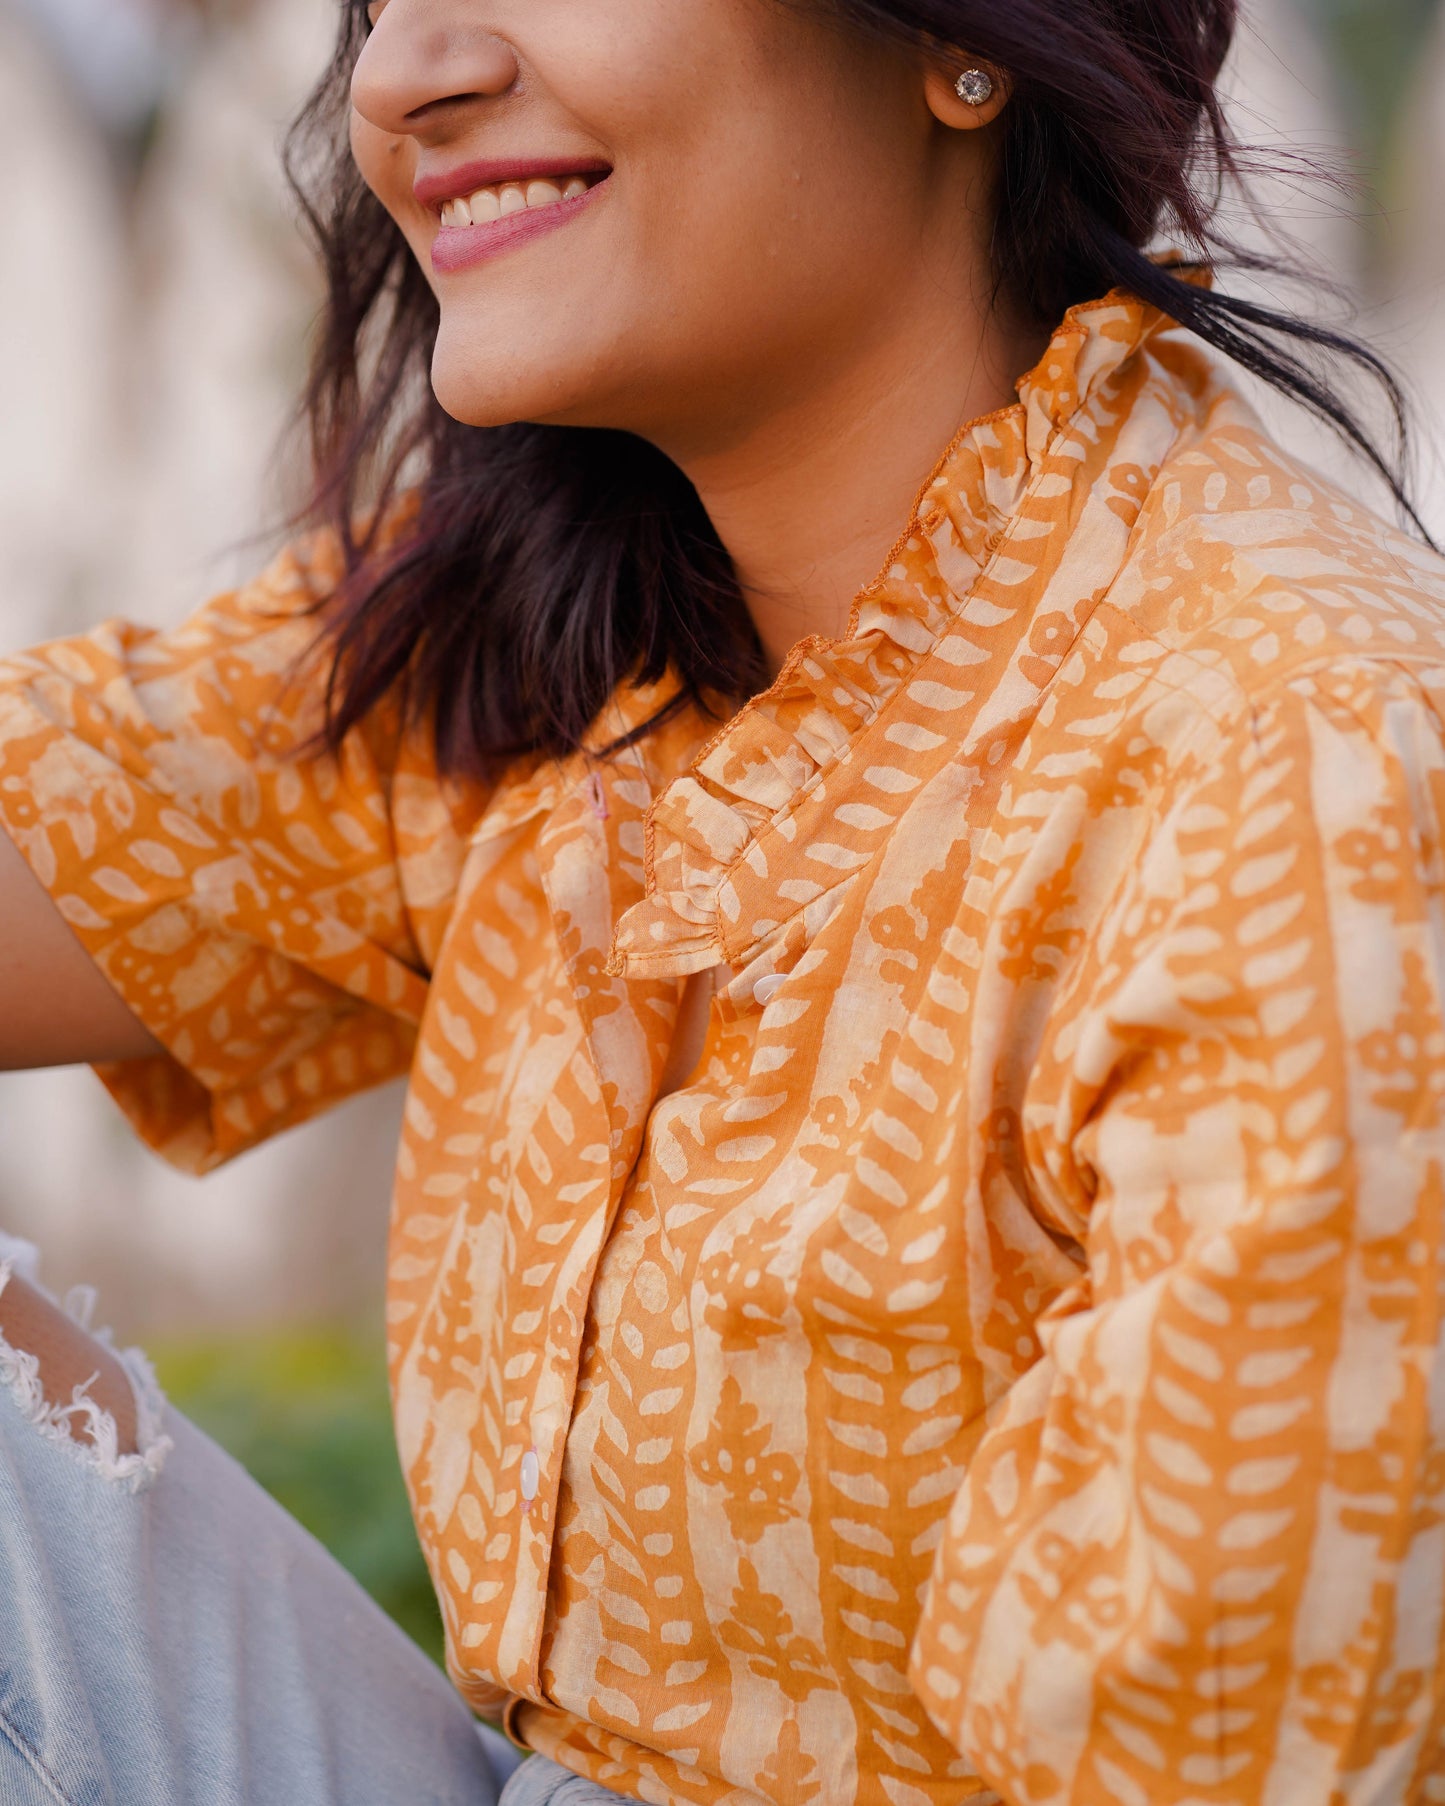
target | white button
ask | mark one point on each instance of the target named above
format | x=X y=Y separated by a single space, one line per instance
x=531 y=1475
x=768 y=986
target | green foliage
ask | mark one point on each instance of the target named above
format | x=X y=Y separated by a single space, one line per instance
x=306 y=1411
x=1375 y=45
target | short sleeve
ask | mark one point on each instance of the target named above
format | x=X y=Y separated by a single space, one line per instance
x=241 y=891
x=1200 y=1553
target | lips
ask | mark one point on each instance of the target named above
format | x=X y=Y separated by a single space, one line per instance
x=461 y=246
x=433 y=187
x=498 y=200
x=493 y=204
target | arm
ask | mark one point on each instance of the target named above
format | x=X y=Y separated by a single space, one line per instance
x=171 y=848
x=55 y=1007
x=1198 y=1554
x=244 y=893
x=57 y=1010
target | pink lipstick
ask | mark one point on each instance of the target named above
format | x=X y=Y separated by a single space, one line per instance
x=503 y=196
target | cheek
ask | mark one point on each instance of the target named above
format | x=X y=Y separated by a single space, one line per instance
x=387 y=165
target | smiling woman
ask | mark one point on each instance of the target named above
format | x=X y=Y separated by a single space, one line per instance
x=817 y=166
x=897 y=838
x=800 y=224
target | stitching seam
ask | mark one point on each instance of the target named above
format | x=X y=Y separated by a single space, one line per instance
x=32 y=1760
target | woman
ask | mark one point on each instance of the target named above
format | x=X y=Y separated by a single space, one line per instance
x=915 y=1269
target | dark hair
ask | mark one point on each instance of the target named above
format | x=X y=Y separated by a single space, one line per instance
x=542 y=565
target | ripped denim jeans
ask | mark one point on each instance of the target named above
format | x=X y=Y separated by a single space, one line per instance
x=169 y=1636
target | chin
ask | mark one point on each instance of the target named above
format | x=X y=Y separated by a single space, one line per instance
x=467 y=395
x=492 y=390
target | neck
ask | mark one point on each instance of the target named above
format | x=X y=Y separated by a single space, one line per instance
x=811 y=497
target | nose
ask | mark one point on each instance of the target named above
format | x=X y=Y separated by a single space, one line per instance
x=424 y=60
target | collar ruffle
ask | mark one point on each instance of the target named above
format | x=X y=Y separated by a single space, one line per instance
x=778 y=749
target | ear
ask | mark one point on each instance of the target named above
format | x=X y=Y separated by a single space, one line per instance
x=949 y=107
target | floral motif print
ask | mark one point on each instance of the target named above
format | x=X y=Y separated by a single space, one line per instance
x=1013 y=1366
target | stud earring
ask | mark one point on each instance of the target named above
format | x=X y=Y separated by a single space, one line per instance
x=975 y=86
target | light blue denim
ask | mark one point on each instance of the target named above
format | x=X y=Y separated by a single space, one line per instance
x=539 y=1782
x=169 y=1636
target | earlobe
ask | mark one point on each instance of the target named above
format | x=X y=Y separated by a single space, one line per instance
x=968 y=97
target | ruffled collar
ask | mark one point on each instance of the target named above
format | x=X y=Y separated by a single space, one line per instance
x=750 y=781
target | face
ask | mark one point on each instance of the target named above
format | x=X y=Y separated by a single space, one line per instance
x=682 y=211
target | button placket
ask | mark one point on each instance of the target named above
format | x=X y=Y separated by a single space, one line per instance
x=531 y=1478
x=766 y=988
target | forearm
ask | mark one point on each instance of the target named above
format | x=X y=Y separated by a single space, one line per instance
x=56 y=1008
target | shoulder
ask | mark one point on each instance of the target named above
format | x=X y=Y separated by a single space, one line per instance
x=1254 y=568
x=1253 y=586
x=1268 y=645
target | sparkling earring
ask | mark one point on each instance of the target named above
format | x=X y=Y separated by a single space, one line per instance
x=975 y=86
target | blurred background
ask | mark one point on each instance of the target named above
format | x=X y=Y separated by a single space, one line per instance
x=154 y=305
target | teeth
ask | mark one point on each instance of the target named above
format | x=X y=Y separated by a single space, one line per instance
x=500 y=199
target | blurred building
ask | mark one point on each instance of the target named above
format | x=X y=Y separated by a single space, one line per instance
x=63 y=286
x=156 y=299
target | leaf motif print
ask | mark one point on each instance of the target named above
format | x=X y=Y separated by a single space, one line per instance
x=1018 y=1777
x=1349 y=1704
x=1015 y=1360
x=758 y=1480
x=790 y=1773
x=1036 y=937
x=595 y=989
x=831 y=1122
x=761 y=1628
x=1130 y=483
x=1050 y=637
x=747 y=1300
x=1383 y=860
x=1408 y=1057
x=1152 y=1252
x=1134 y=772
x=901 y=934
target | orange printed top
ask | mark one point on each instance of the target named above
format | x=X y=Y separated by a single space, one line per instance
x=1011 y=1364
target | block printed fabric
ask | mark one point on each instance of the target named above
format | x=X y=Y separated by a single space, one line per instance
x=1012 y=1364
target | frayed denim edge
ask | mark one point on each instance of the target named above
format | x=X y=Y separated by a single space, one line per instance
x=20 y=1376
